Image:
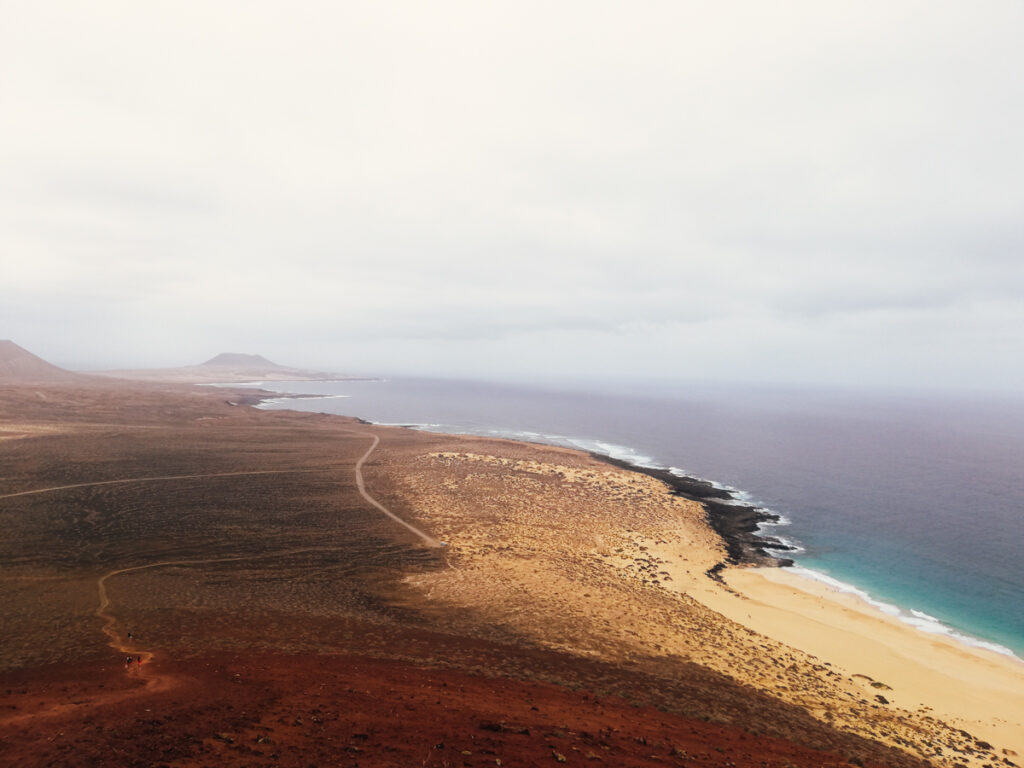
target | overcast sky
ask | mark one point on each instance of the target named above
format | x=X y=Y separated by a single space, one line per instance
x=814 y=192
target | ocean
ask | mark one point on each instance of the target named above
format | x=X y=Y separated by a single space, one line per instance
x=913 y=502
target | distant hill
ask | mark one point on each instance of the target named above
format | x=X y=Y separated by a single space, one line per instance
x=238 y=360
x=19 y=366
x=227 y=368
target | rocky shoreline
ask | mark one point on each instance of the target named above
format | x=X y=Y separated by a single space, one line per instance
x=737 y=523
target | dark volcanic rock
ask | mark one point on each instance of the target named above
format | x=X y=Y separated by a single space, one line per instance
x=735 y=522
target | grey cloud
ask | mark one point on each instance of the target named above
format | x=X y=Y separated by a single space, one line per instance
x=743 y=184
x=135 y=196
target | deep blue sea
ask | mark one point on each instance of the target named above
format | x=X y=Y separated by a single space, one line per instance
x=914 y=502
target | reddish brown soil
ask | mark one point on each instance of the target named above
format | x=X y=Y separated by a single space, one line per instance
x=227 y=710
x=237 y=544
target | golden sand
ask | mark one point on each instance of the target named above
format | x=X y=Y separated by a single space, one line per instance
x=569 y=553
x=972 y=688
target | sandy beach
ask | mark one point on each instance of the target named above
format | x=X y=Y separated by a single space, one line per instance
x=972 y=688
x=542 y=544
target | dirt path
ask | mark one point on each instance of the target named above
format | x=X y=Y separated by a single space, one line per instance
x=125 y=481
x=121 y=643
x=155 y=681
x=142 y=666
x=430 y=541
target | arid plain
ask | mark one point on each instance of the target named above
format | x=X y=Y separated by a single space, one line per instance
x=253 y=561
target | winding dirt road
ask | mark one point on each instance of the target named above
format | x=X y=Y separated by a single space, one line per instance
x=154 y=679
x=430 y=541
x=126 y=481
x=360 y=483
x=118 y=643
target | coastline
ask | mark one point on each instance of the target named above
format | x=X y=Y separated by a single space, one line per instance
x=549 y=550
x=737 y=522
x=972 y=688
x=891 y=670
x=957 y=678
x=539 y=545
x=545 y=581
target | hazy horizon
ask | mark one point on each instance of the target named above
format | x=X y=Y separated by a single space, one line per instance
x=799 y=194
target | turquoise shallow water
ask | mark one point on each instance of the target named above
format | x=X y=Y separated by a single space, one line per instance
x=916 y=502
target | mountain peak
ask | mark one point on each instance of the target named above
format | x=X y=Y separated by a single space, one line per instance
x=18 y=365
x=239 y=360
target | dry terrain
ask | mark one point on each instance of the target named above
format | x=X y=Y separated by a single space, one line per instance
x=283 y=616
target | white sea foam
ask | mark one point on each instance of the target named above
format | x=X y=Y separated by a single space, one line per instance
x=281 y=400
x=781 y=521
x=271 y=401
x=614 y=451
x=521 y=434
x=270 y=384
x=917 y=619
x=734 y=502
x=795 y=547
x=739 y=497
x=590 y=445
x=416 y=425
